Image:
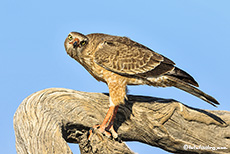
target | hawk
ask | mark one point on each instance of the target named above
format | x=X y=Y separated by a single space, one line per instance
x=120 y=61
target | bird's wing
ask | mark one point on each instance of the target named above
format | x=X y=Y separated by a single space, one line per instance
x=126 y=57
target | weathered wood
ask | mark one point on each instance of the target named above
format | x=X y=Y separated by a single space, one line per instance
x=46 y=120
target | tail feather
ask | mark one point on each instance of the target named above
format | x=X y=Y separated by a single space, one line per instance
x=182 y=75
x=192 y=90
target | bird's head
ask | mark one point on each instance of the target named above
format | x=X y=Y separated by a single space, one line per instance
x=75 y=43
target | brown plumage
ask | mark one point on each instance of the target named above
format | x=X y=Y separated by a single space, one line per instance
x=119 y=61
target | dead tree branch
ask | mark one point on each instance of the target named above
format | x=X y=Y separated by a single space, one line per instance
x=46 y=120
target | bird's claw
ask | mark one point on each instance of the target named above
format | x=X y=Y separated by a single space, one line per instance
x=100 y=129
x=111 y=133
x=90 y=132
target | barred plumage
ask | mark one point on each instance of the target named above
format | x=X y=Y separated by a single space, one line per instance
x=120 y=61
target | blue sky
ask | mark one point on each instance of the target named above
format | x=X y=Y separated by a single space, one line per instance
x=195 y=34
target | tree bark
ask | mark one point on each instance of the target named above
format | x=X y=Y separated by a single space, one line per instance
x=46 y=120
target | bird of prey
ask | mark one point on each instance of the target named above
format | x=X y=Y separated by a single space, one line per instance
x=120 y=61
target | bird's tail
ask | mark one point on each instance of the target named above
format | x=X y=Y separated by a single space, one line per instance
x=192 y=90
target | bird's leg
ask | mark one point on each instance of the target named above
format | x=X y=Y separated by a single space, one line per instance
x=110 y=123
x=109 y=116
x=107 y=119
x=117 y=92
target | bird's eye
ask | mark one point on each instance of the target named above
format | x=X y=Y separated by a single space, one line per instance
x=70 y=37
x=82 y=43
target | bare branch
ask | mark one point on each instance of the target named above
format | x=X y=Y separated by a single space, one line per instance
x=46 y=120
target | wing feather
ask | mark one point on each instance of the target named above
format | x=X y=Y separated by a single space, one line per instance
x=127 y=57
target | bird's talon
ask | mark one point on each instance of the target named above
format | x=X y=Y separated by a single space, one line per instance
x=100 y=129
x=107 y=134
x=118 y=139
x=113 y=132
x=91 y=129
x=90 y=132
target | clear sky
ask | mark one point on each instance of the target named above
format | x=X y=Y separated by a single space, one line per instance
x=195 y=34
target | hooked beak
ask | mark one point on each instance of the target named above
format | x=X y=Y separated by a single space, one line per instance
x=75 y=44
